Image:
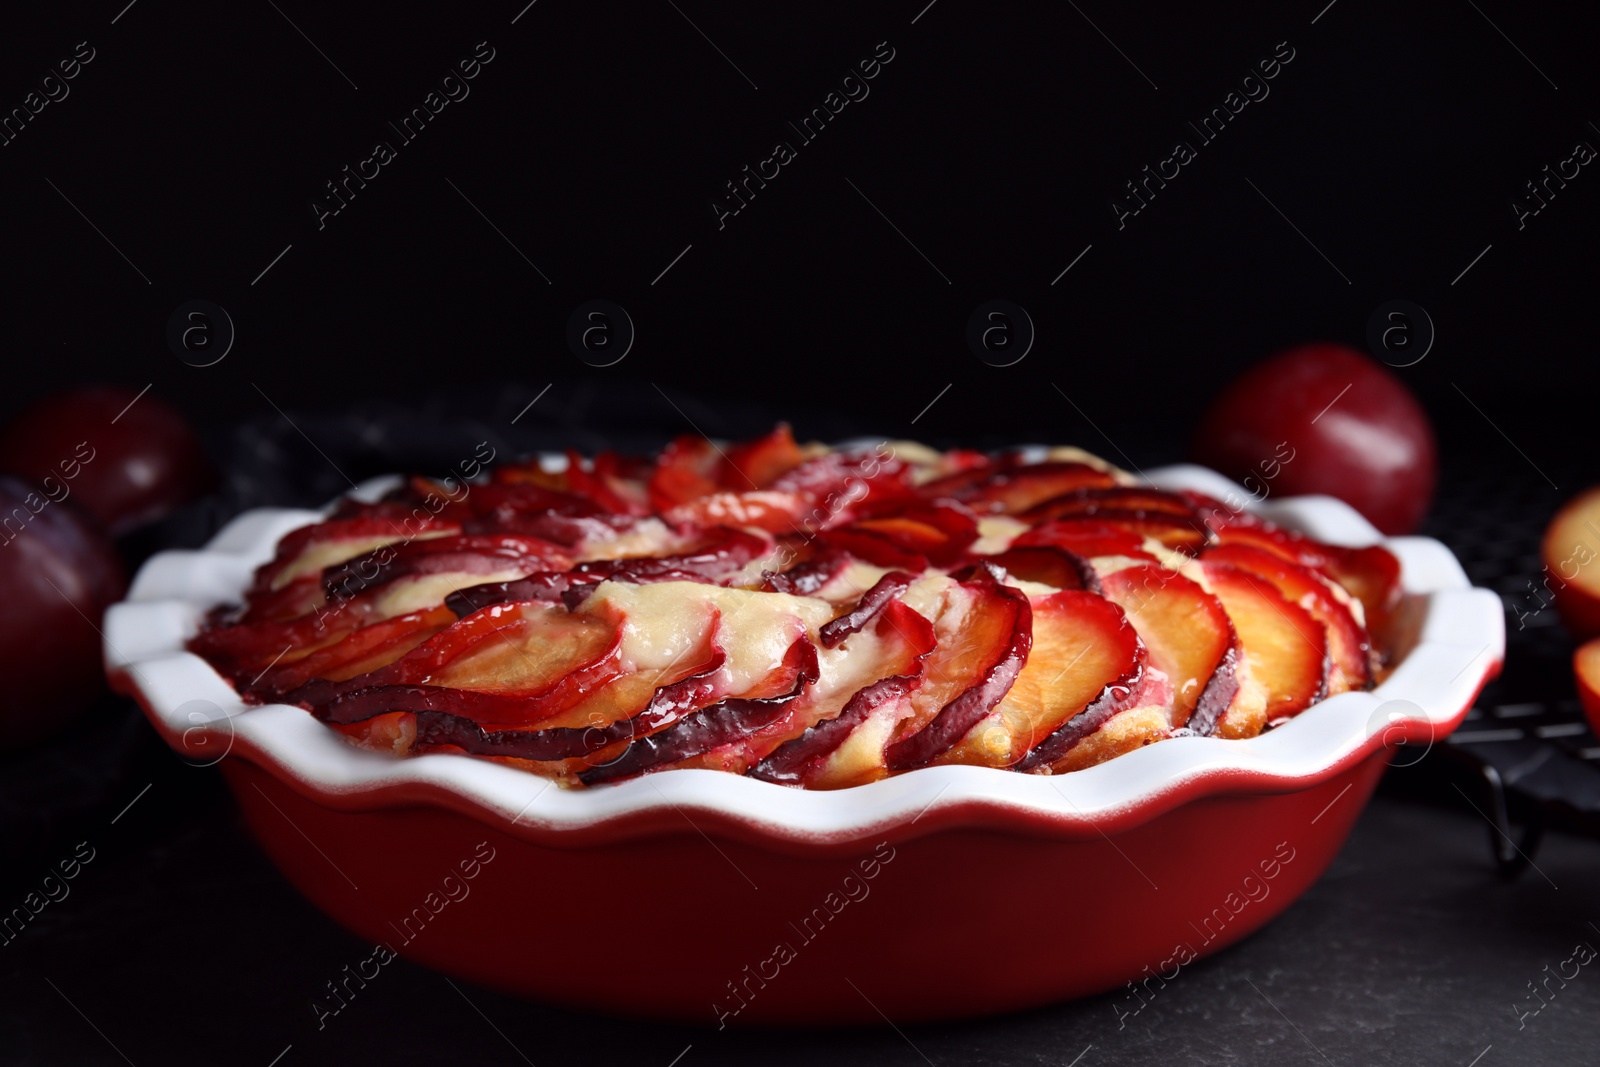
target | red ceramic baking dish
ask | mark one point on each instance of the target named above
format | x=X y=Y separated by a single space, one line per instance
x=707 y=897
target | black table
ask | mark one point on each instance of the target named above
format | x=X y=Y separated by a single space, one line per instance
x=1411 y=949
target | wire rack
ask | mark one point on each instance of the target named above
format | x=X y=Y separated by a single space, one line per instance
x=1525 y=756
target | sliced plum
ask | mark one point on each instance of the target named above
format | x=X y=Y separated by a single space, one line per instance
x=1048 y=565
x=484 y=723
x=362 y=651
x=809 y=575
x=1084 y=666
x=1188 y=635
x=1084 y=537
x=788 y=763
x=838 y=739
x=1349 y=647
x=1371 y=573
x=709 y=727
x=522 y=650
x=911 y=540
x=464 y=554
x=873 y=601
x=1285 y=648
x=685 y=470
x=836 y=481
x=758 y=463
x=1167 y=517
x=1012 y=489
x=310 y=550
x=983 y=645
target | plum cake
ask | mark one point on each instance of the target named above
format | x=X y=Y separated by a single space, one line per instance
x=811 y=616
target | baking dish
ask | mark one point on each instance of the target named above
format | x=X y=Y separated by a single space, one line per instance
x=707 y=897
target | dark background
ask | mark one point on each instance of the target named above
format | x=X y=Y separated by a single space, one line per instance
x=592 y=145
x=595 y=141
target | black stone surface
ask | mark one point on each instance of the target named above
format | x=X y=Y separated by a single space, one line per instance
x=1411 y=949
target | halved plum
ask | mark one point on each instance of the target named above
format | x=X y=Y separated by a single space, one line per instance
x=1349 y=647
x=1569 y=545
x=984 y=634
x=1586 y=672
x=1189 y=637
x=1285 y=648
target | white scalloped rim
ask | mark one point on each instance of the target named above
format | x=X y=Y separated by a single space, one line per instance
x=1461 y=642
